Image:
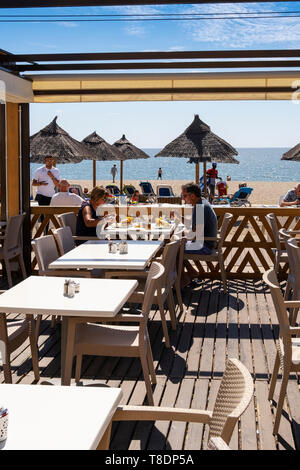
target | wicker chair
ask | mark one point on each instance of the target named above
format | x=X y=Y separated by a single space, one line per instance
x=64 y=240
x=45 y=251
x=293 y=251
x=280 y=254
x=13 y=333
x=164 y=289
x=217 y=255
x=288 y=345
x=293 y=283
x=233 y=398
x=68 y=219
x=12 y=245
x=119 y=340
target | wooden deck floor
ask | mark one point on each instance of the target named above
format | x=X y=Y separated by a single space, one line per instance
x=214 y=326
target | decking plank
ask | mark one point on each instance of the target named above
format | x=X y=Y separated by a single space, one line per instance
x=214 y=326
x=194 y=436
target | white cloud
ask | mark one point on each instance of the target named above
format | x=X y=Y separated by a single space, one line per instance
x=68 y=24
x=134 y=29
x=241 y=32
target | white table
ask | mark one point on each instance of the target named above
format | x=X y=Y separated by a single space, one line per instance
x=43 y=295
x=149 y=231
x=94 y=254
x=57 y=418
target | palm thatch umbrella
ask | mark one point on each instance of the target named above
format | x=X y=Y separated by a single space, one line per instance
x=53 y=141
x=130 y=152
x=293 y=154
x=199 y=144
x=102 y=151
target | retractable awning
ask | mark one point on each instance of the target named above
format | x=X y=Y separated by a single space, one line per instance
x=269 y=85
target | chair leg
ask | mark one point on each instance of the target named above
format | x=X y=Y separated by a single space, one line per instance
x=223 y=273
x=7 y=370
x=37 y=327
x=171 y=306
x=22 y=265
x=53 y=321
x=178 y=293
x=294 y=317
x=287 y=290
x=146 y=378
x=78 y=367
x=8 y=272
x=150 y=362
x=274 y=377
x=34 y=350
x=163 y=321
x=284 y=382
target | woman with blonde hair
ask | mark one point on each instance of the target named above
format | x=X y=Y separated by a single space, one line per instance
x=87 y=219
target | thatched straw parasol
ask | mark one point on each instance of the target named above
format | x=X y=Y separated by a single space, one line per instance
x=53 y=141
x=102 y=151
x=130 y=152
x=199 y=144
x=293 y=154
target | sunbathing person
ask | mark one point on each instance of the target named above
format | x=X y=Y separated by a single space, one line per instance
x=292 y=197
x=87 y=219
x=136 y=196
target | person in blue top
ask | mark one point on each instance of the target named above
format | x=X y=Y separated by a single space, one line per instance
x=191 y=194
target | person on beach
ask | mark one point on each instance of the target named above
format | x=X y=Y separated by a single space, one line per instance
x=159 y=174
x=46 y=178
x=136 y=196
x=292 y=197
x=64 y=197
x=212 y=173
x=191 y=194
x=114 y=171
x=87 y=219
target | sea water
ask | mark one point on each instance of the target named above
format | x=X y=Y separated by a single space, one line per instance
x=256 y=164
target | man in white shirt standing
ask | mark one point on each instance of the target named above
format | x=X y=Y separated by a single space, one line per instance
x=46 y=178
x=65 y=198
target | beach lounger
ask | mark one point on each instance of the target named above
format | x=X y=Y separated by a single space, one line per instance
x=164 y=190
x=240 y=198
x=128 y=190
x=113 y=189
x=78 y=191
x=147 y=190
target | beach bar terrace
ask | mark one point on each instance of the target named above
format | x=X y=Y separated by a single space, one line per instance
x=211 y=326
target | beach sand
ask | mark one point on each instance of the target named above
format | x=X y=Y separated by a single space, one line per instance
x=264 y=192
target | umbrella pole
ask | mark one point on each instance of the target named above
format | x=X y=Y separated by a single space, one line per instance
x=204 y=180
x=121 y=176
x=197 y=173
x=94 y=173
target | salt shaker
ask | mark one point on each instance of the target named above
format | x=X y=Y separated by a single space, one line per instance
x=77 y=286
x=110 y=244
x=71 y=289
x=3 y=423
x=114 y=248
x=66 y=287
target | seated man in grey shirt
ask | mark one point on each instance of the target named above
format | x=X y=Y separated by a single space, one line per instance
x=292 y=197
x=191 y=194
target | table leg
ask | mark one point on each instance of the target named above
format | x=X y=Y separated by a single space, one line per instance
x=67 y=348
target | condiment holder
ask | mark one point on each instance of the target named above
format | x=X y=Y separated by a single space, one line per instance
x=71 y=287
x=3 y=423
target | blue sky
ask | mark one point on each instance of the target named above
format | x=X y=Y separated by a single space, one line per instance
x=243 y=124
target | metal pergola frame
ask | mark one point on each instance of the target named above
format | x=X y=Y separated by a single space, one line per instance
x=282 y=59
x=84 y=3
